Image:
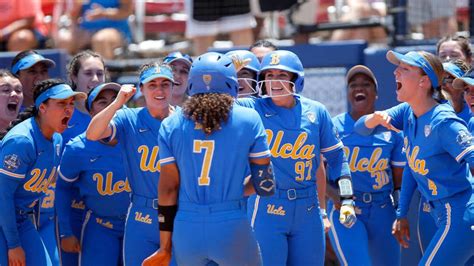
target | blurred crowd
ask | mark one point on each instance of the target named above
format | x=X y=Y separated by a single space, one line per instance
x=105 y=25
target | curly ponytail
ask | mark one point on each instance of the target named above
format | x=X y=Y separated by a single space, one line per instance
x=208 y=110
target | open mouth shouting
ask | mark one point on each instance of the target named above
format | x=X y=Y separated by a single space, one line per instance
x=359 y=97
x=13 y=107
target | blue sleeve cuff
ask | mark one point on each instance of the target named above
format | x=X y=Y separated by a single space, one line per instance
x=360 y=128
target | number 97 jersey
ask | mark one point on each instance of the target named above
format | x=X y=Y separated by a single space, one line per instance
x=218 y=165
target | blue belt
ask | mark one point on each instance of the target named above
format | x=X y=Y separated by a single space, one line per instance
x=144 y=201
x=367 y=197
x=294 y=193
x=212 y=208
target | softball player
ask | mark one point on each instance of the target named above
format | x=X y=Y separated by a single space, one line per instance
x=11 y=97
x=211 y=204
x=376 y=163
x=247 y=76
x=180 y=64
x=438 y=148
x=30 y=68
x=452 y=70
x=92 y=167
x=298 y=130
x=30 y=154
x=136 y=130
x=86 y=70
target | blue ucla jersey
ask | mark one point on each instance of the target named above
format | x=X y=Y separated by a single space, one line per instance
x=212 y=167
x=371 y=158
x=296 y=137
x=439 y=167
x=29 y=158
x=96 y=170
x=77 y=125
x=137 y=133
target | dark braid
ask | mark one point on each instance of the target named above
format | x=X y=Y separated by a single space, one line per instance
x=76 y=63
x=208 y=110
x=32 y=111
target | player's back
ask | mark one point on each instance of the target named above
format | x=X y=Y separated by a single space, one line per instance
x=213 y=167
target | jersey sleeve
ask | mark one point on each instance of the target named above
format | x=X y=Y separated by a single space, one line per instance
x=408 y=188
x=17 y=155
x=397 y=114
x=456 y=140
x=118 y=126
x=398 y=158
x=7 y=212
x=259 y=149
x=331 y=147
x=62 y=204
x=71 y=162
x=329 y=138
x=165 y=152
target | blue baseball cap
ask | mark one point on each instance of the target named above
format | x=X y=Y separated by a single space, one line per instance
x=453 y=70
x=467 y=78
x=177 y=56
x=59 y=92
x=162 y=71
x=30 y=60
x=414 y=59
x=97 y=90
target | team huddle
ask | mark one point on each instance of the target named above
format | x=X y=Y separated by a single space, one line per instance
x=228 y=164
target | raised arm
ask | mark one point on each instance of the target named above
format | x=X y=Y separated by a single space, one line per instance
x=99 y=127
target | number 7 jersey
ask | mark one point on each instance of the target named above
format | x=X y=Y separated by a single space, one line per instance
x=212 y=167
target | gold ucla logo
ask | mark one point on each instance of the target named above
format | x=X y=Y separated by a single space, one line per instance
x=38 y=182
x=275 y=59
x=108 y=188
x=297 y=150
x=417 y=165
x=143 y=219
x=271 y=209
x=149 y=162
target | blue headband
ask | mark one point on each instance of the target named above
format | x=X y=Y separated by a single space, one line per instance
x=453 y=70
x=467 y=78
x=152 y=73
x=60 y=91
x=97 y=90
x=30 y=60
x=414 y=59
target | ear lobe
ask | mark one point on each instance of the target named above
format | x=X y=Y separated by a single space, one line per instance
x=42 y=108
